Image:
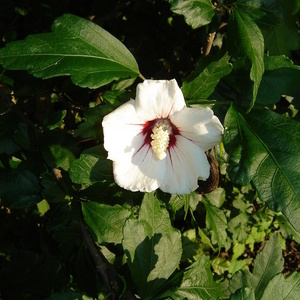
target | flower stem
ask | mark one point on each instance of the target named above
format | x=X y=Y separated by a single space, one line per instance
x=141 y=76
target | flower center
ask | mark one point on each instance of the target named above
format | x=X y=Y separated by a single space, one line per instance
x=160 y=138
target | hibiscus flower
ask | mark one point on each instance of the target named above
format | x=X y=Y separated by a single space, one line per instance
x=155 y=141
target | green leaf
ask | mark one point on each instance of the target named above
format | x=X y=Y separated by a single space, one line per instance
x=216 y=197
x=196 y=13
x=84 y=272
x=239 y=227
x=246 y=39
x=216 y=223
x=66 y=295
x=236 y=265
x=25 y=135
x=202 y=82
x=19 y=188
x=243 y=294
x=152 y=246
x=198 y=283
x=263 y=147
x=267 y=264
x=263 y=12
x=92 y=167
x=281 y=77
x=76 y=47
x=284 y=37
x=53 y=190
x=192 y=248
x=58 y=149
x=105 y=221
x=8 y=124
x=281 y=288
x=92 y=126
x=55 y=119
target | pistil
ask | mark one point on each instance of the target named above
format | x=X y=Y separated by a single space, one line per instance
x=160 y=138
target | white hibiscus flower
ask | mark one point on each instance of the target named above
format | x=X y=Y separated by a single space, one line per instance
x=155 y=141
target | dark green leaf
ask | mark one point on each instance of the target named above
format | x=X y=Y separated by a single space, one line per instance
x=92 y=166
x=85 y=273
x=263 y=146
x=58 y=149
x=19 y=188
x=8 y=123
x=34 y=274
x=152 y=246
x=55 y=119
x=70 y=295
x=92 y=126
x=105 y=221
x=52 y=189
x=284 y=37
x=198 y=283
x=25 y=135
x=280 y=78
x=246 y=39
x=281 y=288
x=76 y=47
x=196 y=13
x=202 y=82
x=263 y=12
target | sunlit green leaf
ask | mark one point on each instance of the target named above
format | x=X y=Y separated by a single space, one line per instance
x=263 y=147
x=239 y=227
x=267 y=264
x=105 y=221
x=281 y=288
x=216 y=223
x=76 y=47
x=246 y=39
x=197 y=13
x=152 y=246
x=201 y=83
x=192 y=248
x=243 y=294
x=198 y=283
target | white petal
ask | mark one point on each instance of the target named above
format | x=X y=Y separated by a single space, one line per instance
x=199 y=125
x=119 y=128
x=185 y=163
x=143 y=173
x=158 y=99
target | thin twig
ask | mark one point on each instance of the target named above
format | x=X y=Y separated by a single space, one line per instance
x=211 y=38
x=106 y=271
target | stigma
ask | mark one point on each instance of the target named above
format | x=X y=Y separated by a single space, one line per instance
x=160 y=138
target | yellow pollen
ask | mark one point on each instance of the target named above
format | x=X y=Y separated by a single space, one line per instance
x=160 y=138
